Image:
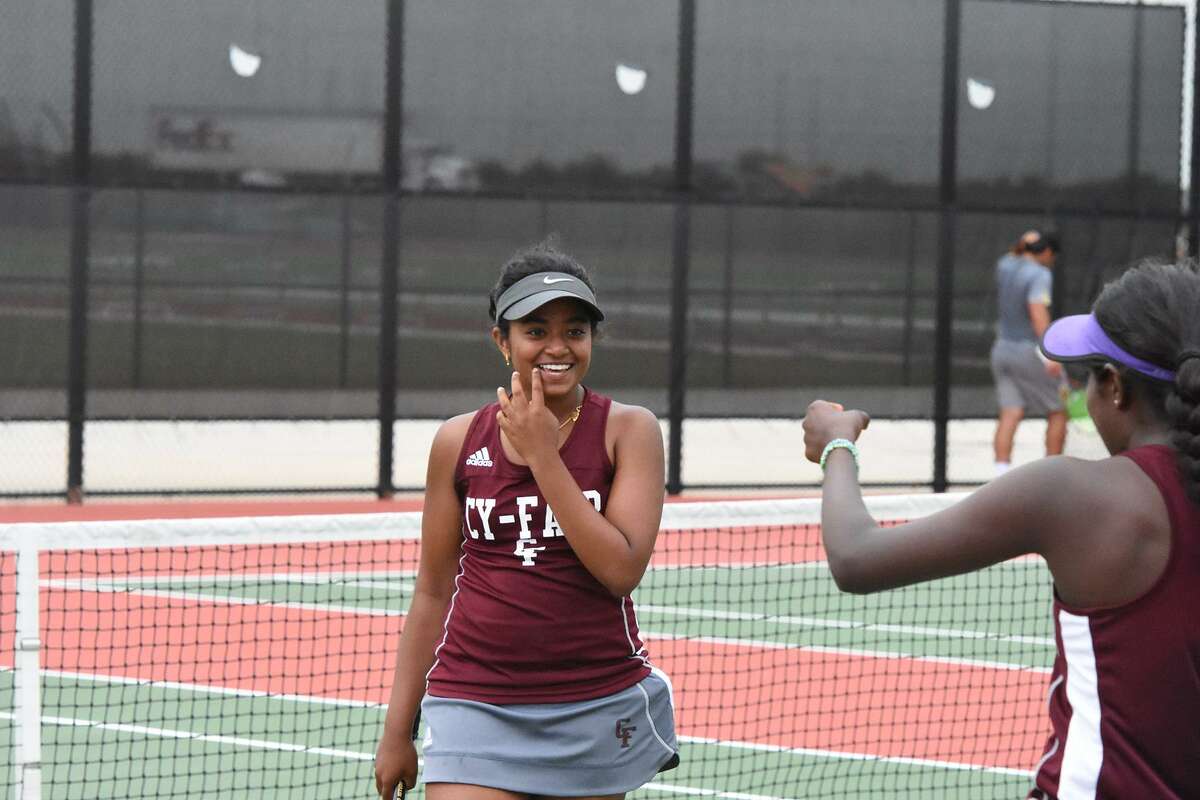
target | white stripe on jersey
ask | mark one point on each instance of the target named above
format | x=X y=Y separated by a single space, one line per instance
x=1083 y=753
x=635 y=651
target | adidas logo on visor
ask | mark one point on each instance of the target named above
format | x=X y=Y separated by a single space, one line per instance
x=480 y=458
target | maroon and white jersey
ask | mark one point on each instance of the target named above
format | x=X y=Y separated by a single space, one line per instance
x=1125 y=690
x=528 y=623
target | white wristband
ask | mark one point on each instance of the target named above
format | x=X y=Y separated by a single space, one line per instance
x=837 y=444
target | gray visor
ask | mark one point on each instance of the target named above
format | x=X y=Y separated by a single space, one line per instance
x=534 y=291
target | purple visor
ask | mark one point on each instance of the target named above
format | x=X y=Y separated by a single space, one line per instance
x=1080 y=338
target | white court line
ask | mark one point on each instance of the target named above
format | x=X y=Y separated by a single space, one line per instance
x=205 y=689
x=406 y=525
x=713 y=565
x=818 y=622
x=320 y=578
x=697 y=740
x=167 y=733
x=721 y=640
x=839 y=754
x=326 y=752
x=329 y=752
x=1031 y=560
x=847 y=651
x=687 y=790
x=360 y=579
x=100 y=586
x=119 y=586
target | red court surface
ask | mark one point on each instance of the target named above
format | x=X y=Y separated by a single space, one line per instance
x=783 y=697
x=770 y=696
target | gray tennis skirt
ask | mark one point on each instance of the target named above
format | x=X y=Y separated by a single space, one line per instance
x=607 y=745
x=1021 y=379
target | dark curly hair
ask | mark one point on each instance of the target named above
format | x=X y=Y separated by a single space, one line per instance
x=541 y=257
x=1153 y=312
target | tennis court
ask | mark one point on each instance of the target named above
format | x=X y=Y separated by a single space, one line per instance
x=252 y=658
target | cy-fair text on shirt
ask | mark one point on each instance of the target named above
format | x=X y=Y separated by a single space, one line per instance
x=479 y=513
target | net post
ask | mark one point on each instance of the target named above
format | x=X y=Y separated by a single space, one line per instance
x=27 y=678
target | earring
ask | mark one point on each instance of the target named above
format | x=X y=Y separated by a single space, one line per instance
x=507 y=360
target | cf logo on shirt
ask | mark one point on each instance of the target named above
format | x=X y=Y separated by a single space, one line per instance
x=625 y=731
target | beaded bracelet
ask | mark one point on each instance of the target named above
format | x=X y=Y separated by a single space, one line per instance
x=836 y=444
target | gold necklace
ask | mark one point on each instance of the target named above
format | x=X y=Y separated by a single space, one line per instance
x=574 y=415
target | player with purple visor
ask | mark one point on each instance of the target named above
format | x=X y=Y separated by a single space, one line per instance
x=1120 y=536
x=1080 y=338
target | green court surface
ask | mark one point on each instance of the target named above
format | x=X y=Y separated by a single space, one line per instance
x=786 y=688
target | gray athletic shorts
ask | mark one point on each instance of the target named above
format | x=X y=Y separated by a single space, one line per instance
x=1021 y=379
x=608 y=745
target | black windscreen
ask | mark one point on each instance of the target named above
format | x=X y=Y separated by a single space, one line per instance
x=34 y=265
x=36 y=76
x=453 y=251
x=823 y=100
x=258 y=95
x=1068 y=104
x=562 y=96
x=207 y=304
x=786 y=305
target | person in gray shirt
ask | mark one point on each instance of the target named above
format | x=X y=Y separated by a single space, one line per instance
x=1026 y=383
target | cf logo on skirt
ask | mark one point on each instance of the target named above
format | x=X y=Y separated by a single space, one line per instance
x=625 y=731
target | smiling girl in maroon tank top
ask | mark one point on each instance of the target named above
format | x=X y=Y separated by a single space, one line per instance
x=541 y=512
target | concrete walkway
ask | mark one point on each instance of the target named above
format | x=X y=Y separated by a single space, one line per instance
x=194 y=456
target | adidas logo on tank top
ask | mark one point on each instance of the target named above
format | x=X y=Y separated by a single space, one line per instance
x=480 y=458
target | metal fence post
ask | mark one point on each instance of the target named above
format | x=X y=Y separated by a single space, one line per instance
x=80 y=236
x=947 y=196
x=389 y=282
x=680 y=250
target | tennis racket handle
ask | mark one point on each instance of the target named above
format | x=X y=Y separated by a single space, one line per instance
x=400 y=791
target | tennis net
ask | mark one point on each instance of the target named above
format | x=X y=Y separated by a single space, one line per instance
x=252 y=657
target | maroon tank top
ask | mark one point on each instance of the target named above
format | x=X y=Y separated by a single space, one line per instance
x=528 y=623
x=1125 y=689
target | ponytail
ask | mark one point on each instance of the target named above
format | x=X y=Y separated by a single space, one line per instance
x=1152 y=312
x=1183 y=408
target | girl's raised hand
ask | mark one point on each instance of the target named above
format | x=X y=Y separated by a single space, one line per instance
x=530 y=427
x=825 y=421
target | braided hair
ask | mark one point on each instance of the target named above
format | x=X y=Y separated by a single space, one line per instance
x=1153 y=312
x=541 y=257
